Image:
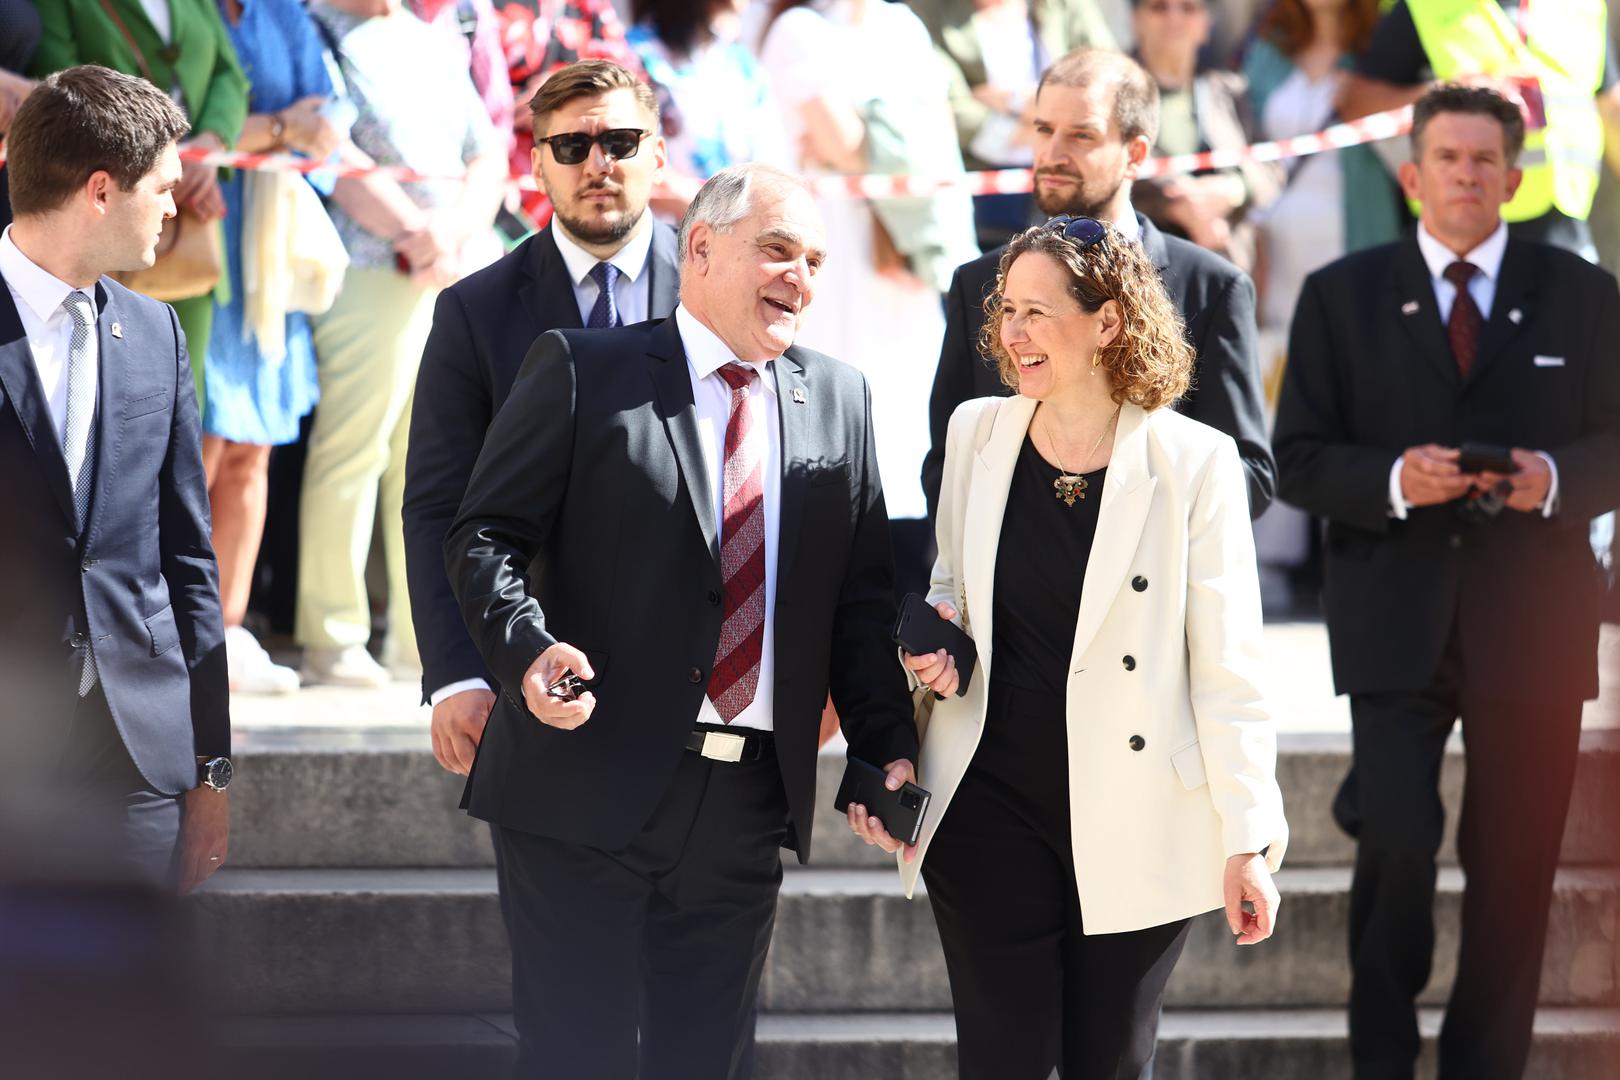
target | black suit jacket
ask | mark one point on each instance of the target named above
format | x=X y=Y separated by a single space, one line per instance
x=1370 y=373
x=1214 y=297
x=482 y=330
x=140 y=580
x=589 y=520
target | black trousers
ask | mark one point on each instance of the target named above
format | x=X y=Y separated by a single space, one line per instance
x=1030 y=989
x=1520 y=768
x=645 y=963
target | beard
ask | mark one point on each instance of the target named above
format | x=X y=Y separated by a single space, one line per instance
x=597 y=230
x=1084 y=200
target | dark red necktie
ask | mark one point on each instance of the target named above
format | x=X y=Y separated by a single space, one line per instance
x=742 y=554
x=1466 y=322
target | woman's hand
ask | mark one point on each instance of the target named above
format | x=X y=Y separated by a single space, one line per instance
x=936 y=670
x=870 y=829
x=1248 y=880
x=308 y=131
x=198 y=190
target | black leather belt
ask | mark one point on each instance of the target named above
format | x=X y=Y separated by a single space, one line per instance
x=735 y=744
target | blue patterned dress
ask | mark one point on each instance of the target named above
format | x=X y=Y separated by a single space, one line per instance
x=250 y=399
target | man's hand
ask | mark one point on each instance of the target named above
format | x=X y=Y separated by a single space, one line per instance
x=547 y=668
x=1430 y=476
x=871 y=829
x=1530 y=484
x=936 y=670
x=436 y=239
x=205 y=832
x=458 y=728
x=1247 y=879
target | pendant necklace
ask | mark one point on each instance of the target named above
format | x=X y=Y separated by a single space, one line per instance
x=1071 y=486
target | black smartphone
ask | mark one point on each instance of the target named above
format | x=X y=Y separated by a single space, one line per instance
x=900 y=811
x=918 y=629
x=1478 y=457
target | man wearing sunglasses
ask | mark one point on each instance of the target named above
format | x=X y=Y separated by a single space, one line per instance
x=601 y=262
x=1096 y=116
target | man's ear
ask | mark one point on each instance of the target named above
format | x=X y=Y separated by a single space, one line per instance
x=1515 y=177
x=98 y=190
x=1136 y=152
x=1407 y=174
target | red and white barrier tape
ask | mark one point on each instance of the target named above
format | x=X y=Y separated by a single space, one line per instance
x=1385 y=125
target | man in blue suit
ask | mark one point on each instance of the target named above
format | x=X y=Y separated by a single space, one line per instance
x=112 y=667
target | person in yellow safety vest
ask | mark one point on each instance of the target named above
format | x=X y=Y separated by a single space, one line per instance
x=1553 y=57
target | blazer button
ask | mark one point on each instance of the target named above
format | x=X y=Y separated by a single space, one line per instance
x=77 y=641
x=1137 y=742
x=1129 y=662
x=87 y=564
x=1139 y=583
x=695 y=675
x=1455 y=541
x=714 y=598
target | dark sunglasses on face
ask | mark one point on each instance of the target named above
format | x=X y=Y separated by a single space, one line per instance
x=616 y=143
x=1084 y=232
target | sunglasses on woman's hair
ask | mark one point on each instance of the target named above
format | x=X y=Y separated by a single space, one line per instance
x=1084 y=231
x=616 y=143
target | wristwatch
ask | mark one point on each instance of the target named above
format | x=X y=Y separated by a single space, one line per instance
x=215 y=773
x=278 y=128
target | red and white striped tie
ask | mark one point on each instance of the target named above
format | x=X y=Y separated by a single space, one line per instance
x=742 y=555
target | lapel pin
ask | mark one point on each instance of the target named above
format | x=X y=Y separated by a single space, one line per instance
x=1514 y=316
x=798 y=395
x=1409 y=308
x=117 y=331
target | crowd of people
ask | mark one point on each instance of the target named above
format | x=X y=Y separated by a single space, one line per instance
x=641 y=541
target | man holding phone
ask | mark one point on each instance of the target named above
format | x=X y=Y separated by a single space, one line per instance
x=1452 y=408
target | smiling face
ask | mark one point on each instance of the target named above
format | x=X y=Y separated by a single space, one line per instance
x=1049 y=335
x=601 y=199
x=1081 y=159
x=752 y=283
x=133 y=220
x=1462 y=178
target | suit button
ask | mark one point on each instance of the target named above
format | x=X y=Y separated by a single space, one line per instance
x=1455 y=541
x=87 y=564
x=77 y=641
x=1137 y=742
x=695 y=675
x=714 y=598
x=1139 y=583
x=1129 y=662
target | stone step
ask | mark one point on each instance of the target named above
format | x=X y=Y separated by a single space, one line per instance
x=375 y=797
x=431 y=940
x=1570 y=1044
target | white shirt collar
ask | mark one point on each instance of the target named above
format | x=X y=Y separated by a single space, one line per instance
x=1487 y=257
x=41 y=290
x=1128 y=226
x=630 y=260
x=708 y=354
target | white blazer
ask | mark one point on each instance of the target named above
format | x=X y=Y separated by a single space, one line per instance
x=1171 y=583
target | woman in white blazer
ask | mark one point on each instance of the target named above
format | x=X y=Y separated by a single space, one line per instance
x=1109 y=772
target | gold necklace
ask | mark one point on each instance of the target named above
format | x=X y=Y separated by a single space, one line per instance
x=1069 y=485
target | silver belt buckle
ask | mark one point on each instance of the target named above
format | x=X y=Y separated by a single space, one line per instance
x=722 y=746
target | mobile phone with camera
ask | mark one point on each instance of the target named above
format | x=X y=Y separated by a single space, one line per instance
x=1478 y=457
x=900 y=811
x=918 y=629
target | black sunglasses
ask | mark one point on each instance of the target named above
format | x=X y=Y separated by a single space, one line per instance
x=1085 y=232
x=616 y=143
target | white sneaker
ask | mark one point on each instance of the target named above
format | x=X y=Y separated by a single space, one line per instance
x=251 y=669
x=350 y=665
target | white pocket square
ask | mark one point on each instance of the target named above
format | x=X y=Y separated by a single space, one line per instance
x=1549 y=361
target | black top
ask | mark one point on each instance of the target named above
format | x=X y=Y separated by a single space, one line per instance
x=1040 y=568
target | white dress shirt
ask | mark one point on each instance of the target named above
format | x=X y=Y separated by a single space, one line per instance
x=1487 y=262
x=706 y=354
x=629 y=297
x=39 y=296
x=629 y=291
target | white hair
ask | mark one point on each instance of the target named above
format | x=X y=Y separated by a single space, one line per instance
x=727 y=197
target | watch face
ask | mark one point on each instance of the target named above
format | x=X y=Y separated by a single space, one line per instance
x=217 y=773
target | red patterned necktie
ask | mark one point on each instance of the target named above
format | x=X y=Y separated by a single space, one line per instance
x=1465 y=323
x=742 y=554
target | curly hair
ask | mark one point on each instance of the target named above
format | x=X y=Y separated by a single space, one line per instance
x=1149 y=362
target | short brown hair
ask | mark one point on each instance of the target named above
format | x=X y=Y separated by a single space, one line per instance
x=1149 y=363
x=82 y=121
x=588 y=78
x=1289 y=25
x=1473 y=101
x=1136 y=95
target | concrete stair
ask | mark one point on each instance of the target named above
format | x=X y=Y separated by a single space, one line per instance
x=359 y=923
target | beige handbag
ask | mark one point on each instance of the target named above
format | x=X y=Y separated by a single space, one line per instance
x=189 y=261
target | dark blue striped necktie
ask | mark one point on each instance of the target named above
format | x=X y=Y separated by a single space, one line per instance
x=606 y=313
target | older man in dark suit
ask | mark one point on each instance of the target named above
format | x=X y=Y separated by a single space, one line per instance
x=1459 y=578
x=111 y=655
x=1096 y=115
x=600 y=234
x=687 y=515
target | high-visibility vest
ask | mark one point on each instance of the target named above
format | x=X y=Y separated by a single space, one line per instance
x=1563 y=45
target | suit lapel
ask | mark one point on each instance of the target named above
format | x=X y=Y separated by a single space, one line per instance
x=20 y=378
x=548 y=294
x=1419 y=313
x=986 y=504
x=798 y=434
x=679 y=415
x=1126 y=497
x=1512 y=309
x=664 y=274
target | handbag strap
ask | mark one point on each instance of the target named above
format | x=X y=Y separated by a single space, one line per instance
x=129 y=39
